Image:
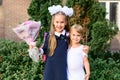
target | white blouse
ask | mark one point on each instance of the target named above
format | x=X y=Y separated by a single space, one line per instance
x=75 y=63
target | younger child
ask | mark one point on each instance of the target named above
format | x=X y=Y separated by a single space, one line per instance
x=77 y=58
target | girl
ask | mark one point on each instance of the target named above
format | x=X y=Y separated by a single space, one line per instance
x=56 y=44
x=77 y=56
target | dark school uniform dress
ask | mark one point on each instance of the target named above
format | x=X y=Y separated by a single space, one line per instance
x=56 y=65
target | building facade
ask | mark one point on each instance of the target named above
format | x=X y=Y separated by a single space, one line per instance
x=12 y=12
x=113 y=15
x=113 y=10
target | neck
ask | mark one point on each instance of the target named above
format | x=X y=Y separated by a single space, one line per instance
x=75 y=44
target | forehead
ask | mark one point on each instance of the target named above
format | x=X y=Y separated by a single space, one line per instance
x=74 y=31
x=59 y=17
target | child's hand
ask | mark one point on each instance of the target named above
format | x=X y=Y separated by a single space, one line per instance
x=86 y=49
x=31 y=46
x=44 y=58
x=87 y=77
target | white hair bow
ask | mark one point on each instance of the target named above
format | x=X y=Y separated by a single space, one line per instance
x=54 y=9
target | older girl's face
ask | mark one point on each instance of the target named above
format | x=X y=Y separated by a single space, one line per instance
x=59 y=22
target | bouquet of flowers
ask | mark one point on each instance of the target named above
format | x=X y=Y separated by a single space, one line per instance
x=28 y=32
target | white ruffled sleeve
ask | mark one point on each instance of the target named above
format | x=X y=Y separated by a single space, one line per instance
x=84 y=54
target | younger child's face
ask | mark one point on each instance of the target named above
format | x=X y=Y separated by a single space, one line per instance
x=59 y=23
x=75 y=37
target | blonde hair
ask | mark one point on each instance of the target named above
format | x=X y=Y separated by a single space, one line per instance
x=52 y=40
x=78 y=28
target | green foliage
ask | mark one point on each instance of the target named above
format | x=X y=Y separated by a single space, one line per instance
x=97 y=13
x=114 y=55
x=101 y=33
x=38 y=10
x=89 y=13
x=98 y=30
x=98 y=33
x=15 y=63
x=107 y=69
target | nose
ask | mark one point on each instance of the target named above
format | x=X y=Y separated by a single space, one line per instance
x=75 y=37
x=59 y=24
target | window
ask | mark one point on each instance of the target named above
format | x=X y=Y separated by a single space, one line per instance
x=0 y=2
x=113 y=12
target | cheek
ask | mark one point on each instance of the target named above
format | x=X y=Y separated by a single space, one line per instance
x=54 y=23
x=63 y=27
x=80 y=38
x=71 y=37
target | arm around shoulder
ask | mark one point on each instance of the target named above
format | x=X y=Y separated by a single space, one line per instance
x=86 y=49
